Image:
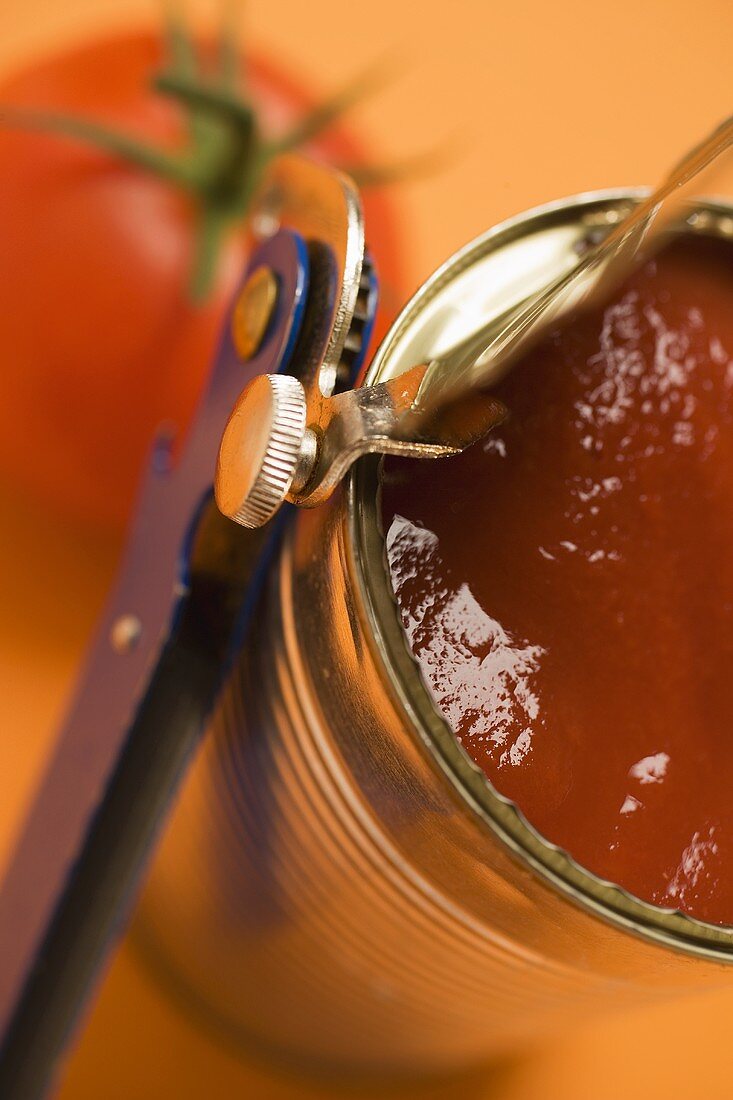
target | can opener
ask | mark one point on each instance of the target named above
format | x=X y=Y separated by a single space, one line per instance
x=296 y=338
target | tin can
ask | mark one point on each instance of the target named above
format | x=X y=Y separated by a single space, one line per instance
x=340 y=884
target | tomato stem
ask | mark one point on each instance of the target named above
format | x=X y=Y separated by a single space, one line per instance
x=381 y=175
x=211 y=230
x=130 y=149
x=208 y=98
x=229 y=55
x=328 y=112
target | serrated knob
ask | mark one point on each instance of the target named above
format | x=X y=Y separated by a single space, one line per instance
x=260 y=449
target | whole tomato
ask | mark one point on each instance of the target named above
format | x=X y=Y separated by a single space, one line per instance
x=101 y=340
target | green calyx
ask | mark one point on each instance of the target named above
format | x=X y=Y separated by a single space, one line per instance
x=225 y=152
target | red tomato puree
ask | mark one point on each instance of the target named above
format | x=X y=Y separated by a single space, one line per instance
x=566 y=585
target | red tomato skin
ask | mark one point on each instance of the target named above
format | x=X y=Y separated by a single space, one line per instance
x=100 y=341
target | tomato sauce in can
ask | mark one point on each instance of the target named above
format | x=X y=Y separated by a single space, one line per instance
x=385 y=862
x=567 y=586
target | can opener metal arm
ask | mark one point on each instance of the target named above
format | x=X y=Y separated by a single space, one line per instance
x=302 y=317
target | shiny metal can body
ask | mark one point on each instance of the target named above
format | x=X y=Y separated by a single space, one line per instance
x=339 y=883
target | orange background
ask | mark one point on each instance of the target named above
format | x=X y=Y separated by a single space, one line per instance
x=543 y=100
